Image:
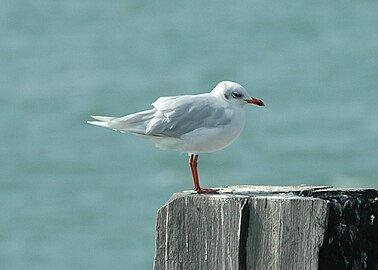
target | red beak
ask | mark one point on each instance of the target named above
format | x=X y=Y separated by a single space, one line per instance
x=255 y=101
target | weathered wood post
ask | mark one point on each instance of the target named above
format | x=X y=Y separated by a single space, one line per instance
x=264 y=227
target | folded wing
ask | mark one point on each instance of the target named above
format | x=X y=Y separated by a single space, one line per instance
x=172 y=117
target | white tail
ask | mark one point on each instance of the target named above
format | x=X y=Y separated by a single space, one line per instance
x=103 y=121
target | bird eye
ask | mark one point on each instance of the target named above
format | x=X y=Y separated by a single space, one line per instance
x=236 y=94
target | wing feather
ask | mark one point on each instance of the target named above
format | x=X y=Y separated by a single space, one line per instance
x=174 y=116
x=182 y=114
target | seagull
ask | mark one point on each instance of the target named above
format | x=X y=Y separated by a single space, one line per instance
x=194 y=124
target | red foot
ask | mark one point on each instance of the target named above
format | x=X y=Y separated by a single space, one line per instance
x=207 y=191
x=193 y=167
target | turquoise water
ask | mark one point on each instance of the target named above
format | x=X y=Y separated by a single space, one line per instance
x=74 y=196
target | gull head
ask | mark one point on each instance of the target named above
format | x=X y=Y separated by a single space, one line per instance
x=234 y=93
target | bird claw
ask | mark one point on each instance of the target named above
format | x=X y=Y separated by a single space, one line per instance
x=207 y=191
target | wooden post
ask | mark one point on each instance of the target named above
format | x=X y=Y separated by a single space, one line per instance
x=265 y=227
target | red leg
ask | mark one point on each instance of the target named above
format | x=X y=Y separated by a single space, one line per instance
x=193 y=167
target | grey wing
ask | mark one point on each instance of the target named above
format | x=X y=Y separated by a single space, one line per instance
x=134 y=123
x=176 y=116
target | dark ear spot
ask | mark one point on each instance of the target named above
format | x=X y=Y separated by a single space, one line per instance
x=226 y=96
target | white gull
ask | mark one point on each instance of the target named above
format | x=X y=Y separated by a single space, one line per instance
x=194 y=124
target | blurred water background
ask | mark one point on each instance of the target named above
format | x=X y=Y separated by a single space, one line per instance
x=74 y=196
